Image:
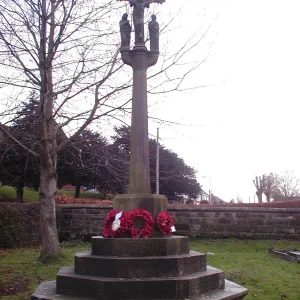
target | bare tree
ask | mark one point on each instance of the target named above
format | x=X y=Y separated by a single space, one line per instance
x=268 y=186
x=277 y=186
x=258 y=182
x=53 y=47
x=285 y=184
x=67 y=51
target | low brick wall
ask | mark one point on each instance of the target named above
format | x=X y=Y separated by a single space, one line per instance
x=197 y=221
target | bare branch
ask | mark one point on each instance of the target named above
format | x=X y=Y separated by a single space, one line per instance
x=2 y=128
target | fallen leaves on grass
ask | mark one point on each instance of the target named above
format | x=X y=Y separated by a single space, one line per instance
x=234 y=275
x=13 y=284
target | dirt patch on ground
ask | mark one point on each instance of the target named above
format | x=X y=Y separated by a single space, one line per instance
x=12 y=284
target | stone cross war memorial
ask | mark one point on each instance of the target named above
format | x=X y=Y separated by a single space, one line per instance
x=139 y=257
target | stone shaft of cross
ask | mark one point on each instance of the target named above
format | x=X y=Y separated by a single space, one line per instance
x=139 y=173
x=140 y=59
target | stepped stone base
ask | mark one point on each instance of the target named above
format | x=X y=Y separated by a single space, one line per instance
x=136 y=269
x=139 y=267
x=182 y=287
x=232 y=291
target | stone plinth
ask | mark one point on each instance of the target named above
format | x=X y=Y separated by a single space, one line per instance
x=150 y=202
x=232 y=291
x=105 y=288
x=126 y=247
x=139 y=267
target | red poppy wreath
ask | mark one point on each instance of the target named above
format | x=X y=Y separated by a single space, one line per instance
x=115 y=224
x=165 y=223
x=148 y=223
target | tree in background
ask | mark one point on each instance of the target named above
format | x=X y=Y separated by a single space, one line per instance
x=285 y=184
x=259 y=184
x=91 y=161
x=277 y=186
x=17 y=167
x=176 y=178
x=268 y=186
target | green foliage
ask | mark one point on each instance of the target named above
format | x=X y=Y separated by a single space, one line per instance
x=91 y=160
x=19 y=168
x=11 y=227
x=177 y=179
x=87 y=195
x=9 y=193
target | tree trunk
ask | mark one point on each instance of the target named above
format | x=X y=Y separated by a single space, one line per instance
x=20 y=192
x=77 y=190
x=49 y=241
x=47 y=130
x=259 y=197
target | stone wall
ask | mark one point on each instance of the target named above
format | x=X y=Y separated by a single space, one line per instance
x=196 y=221
x=239 y=222
x=85 y=220
x=77 y=221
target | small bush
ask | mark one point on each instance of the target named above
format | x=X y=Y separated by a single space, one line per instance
x=87 y=195
x=190 y=202
x=12 y=226
x=6 y=199
x=204 y=202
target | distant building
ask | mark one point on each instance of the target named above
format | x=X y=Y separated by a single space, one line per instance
x=69 y=187
x=209 y=198
x=216 y=200
x=202 y=197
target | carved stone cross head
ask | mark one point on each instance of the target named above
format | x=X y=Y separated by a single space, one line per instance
x=138 y=18
x=146 y=2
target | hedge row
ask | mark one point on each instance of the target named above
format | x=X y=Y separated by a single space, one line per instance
x=19 y=224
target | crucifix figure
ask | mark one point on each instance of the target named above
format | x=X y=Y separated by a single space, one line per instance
x=138 y=18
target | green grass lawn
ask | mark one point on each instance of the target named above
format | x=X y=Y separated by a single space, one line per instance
x=243 y=261
x=249 y=264
x=8 y=192
x=20 y=269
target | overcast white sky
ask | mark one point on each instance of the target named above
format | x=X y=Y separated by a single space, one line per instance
x=245 y=123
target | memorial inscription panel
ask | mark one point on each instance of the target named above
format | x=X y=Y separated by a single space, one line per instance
x=127 y=247
x=148 y=247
